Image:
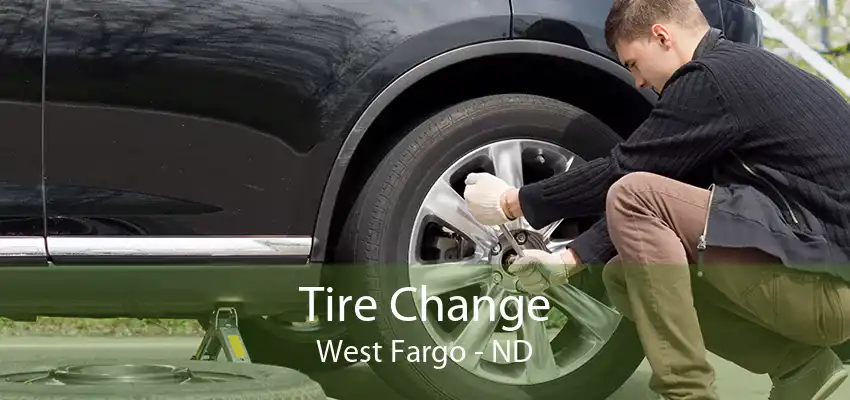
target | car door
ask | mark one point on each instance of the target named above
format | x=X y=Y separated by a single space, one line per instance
x=21 y=203
x=175 y=129
x=736 y=18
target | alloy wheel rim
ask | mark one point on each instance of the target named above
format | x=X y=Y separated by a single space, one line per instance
x=480 y=268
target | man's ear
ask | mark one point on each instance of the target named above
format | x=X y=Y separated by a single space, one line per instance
x=663 y=35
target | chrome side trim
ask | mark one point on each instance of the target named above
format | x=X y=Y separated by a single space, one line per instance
x=184 y=246
x=22 y=246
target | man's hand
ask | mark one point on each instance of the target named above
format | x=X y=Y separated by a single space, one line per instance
x=539 y=270
x=485 y=195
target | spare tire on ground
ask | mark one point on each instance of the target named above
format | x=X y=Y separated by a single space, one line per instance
x=94 y=379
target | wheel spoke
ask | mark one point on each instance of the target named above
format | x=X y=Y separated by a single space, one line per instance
x=599 y=319
x=569 y=163
x=477 y=332
x=445 y=277
x=541 y=365
x=557 y=246
x=445 y=203
x=522 y=223
x=507 y=160
x=548 y=230
x=519 y=224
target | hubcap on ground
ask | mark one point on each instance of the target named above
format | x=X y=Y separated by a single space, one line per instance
x=451 y=254
x=117 y=374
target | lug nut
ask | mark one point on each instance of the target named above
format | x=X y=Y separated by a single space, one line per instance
x=539 y=157
x=497 y=277
x=520 y=237
x=497 y=248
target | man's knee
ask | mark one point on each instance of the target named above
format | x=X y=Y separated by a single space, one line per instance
x=649 y=194
x=625 y=192
x=626 y=187
x=630 y=185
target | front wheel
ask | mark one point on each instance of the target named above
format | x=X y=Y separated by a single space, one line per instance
x=410 y=229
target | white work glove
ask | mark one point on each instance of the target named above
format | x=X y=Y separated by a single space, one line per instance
x=539 y=270
x=483 y=196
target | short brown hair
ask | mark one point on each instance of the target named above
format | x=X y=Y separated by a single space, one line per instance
x=631 y=19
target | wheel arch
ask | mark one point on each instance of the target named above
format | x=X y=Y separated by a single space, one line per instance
x=376 y=125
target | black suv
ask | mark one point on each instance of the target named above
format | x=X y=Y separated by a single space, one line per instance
x=163 y=158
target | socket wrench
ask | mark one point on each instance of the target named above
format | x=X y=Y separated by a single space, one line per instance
x=512 y=240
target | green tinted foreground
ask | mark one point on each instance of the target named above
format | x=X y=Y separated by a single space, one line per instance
x=51 y=326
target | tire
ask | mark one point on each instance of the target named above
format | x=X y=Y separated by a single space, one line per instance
x=377 y=233
x=264 y=382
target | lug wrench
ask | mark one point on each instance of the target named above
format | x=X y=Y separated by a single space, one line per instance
x=517 y=249
x=512 y=240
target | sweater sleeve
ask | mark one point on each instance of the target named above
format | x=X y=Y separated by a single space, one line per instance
x=689 y=126
x=594 y=247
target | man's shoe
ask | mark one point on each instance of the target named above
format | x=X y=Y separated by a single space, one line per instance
x=815 y=380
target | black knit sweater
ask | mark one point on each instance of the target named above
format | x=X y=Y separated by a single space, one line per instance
x=730 y=97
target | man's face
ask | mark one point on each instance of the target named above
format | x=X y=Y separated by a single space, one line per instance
x=651 y=59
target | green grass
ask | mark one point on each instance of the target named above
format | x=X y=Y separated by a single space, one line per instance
x=112 y=327
x=129 y=327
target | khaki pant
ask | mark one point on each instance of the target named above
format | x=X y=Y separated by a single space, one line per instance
x=745 y=308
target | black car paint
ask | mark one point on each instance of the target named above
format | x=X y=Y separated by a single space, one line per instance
x=576 y=25
x=21 y=61
x=189 y=117
x=237 y=107
x=165 y=99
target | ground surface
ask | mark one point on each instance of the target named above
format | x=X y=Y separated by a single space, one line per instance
x=355 y=383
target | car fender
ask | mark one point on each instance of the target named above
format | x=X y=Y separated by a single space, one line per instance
x=422 y=70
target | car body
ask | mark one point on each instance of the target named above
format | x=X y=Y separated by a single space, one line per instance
x=165 y=157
